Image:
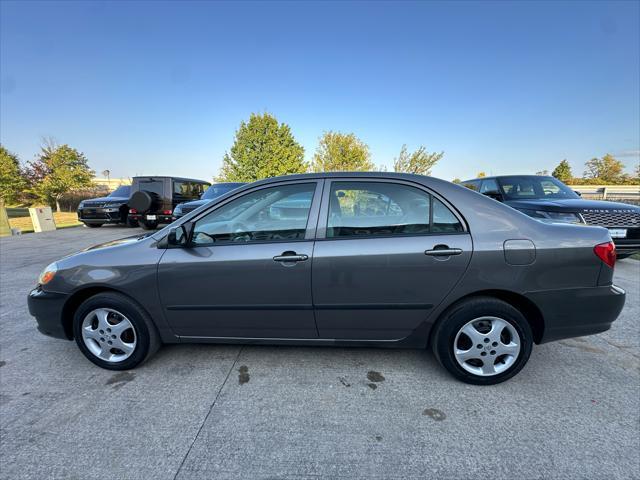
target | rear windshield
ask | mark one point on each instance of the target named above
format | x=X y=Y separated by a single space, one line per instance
x=155 y=186
x=121 y=191
x=215 y=191
x=534 y=187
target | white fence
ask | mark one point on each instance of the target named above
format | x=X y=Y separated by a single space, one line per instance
x=614 y=193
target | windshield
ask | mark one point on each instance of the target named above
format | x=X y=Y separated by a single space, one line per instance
x=534 y=187
x=121 y=191
x=215 y=191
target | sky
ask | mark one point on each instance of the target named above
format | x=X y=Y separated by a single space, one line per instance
x=160 y=87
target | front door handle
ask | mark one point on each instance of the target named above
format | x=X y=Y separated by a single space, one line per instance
x=290 y=257
x=443 y=251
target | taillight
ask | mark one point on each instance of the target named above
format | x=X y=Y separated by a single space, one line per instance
x=166 y=212
x=133 y=210
x=606 y=252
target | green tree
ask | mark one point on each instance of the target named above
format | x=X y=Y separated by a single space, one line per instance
x=563 y=171
x=456 y=180
x=341 y=152
x=12 y=181
x=263 y=148
x=481 y=175
x=58 y=170
x=607 y=169
x=419 y=162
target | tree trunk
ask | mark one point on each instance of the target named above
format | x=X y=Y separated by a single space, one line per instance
x=58 y=205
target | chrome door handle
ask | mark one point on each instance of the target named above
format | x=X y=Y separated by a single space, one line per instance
x=443 y=252
x=292 y=257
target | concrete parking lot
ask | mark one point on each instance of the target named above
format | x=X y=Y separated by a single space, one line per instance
x=252 y=412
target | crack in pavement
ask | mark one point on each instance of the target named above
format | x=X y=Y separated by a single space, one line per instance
x=208 y=413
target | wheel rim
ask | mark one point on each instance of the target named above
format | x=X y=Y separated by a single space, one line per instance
x=487 y=346
x=109 y=335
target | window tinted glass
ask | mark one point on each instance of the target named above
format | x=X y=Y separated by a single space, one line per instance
x=155 y=186
x=444 y=221
x=472 y=185
x=489 y=186
x=270 y=214
x=535 y=187
x=215 y=191
x=376 y=208
x=121 y=191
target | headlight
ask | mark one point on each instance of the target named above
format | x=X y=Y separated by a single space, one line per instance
x=81 y=204
x=553 y=217
x=48 y=273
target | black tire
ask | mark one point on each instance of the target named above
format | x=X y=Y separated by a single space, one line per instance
x=445 y=331
x=145 y=225
x=147 y=338
x=94 y=225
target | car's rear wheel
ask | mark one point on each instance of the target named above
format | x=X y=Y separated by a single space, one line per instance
x=145 y=225
x=93 y=225
x=114 y=332
x=482 y=341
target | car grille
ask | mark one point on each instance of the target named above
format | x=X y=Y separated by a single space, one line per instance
x=188 y=209
x=612 y=218
x=93 y=204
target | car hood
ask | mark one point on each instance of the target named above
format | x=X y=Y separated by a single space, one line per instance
x=570 y=205
x=195 y=203
x=107 y=199
x=118 y=242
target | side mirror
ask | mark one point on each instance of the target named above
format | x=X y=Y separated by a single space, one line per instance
x=181 y=236
x=577 y=193
x=493 y=194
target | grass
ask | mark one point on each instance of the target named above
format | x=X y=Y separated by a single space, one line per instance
x=62 y=219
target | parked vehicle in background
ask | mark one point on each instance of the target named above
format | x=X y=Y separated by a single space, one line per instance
x=113 y=208
x=154 y=198
x=214 y=191
x=358 y=259
x=549 y=200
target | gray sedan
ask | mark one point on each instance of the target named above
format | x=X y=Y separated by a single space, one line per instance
x=367 y=259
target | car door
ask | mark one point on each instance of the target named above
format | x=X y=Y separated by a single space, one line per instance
x=248 y=272
x=387 y=252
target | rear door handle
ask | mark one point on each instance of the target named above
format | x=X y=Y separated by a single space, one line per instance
x=290 y=257
x=443 y=251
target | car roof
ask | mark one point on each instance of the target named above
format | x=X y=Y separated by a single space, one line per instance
x=182 y=179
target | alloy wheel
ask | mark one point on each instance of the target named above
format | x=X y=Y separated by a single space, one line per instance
x=487 y=346
x=109 y=335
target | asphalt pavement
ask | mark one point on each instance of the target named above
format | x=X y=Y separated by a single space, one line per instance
x=260 y=412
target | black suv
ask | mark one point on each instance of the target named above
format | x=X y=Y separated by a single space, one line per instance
x=113 y=208
x=549 y=200
x=154 y=198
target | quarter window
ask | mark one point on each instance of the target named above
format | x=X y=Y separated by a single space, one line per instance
x=363 y=209
x=276 y=214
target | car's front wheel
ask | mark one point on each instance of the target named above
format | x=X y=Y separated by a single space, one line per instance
x=482 y=341
x=93 y=225
x=114 y=332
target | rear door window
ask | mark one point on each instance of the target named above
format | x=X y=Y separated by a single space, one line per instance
x=369 y=209
x=154 y=186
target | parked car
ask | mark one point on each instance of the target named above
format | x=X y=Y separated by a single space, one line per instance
x=154 y=198
x=381 y=259
x=214 y=191
x=113 y=208
x=549 y=200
